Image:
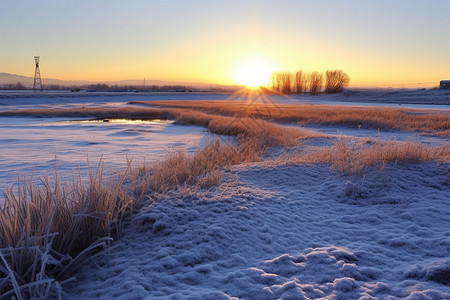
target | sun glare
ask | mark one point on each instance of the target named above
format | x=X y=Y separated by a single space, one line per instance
x=253 y=73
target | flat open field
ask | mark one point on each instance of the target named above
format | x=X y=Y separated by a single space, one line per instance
x=245 y=196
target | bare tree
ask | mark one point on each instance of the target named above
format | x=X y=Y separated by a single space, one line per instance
x=315 y=83
x=336 y=81
x=279 y=81
x=19 y=86
x=286 y=82
x=274 y=79
x=307 y=81
x=300 y=81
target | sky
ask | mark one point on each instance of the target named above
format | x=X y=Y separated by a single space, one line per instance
x=378 y=42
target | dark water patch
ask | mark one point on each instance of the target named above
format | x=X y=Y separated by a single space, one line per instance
x=87 y=143
x=122 y=120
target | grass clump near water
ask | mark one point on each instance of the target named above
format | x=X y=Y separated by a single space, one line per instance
x=273 y=134
x=200 y=169
x=47 y=232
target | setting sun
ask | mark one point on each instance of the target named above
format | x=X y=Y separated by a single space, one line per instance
x=253 y=72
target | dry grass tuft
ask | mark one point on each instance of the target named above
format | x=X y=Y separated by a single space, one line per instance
x=353 y=158
x=47 y=232
x=200 y=168
x=273 y=134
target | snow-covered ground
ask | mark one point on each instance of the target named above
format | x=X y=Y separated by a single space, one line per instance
x=268 y=231
x=405 y=136
x=289 y=232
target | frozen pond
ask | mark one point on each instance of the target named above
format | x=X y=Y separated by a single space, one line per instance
x=30 y=145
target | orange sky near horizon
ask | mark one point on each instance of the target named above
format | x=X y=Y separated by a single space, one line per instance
x=377 y=44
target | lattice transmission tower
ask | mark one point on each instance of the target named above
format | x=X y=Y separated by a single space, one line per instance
x=37 y=85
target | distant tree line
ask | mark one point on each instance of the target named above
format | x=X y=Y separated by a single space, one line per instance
x=13 y=86
x=101 y=87
x=312 y=83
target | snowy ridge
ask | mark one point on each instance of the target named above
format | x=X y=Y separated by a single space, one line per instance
x=289 y=232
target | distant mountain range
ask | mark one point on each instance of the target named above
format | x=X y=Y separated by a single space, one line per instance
x=7 y=78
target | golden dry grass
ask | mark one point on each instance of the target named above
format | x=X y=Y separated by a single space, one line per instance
x=436 y=122
x=198 y=169
x=432 y=121
x=274 y=135
x=352 y=158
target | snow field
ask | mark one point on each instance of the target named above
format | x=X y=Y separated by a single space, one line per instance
x=289 y=232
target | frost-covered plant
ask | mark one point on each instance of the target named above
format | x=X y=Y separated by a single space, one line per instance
x=47 y=232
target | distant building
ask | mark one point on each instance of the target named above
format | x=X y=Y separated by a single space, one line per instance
x=445 y=85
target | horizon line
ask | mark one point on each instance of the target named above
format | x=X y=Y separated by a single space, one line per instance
x=89 y=81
